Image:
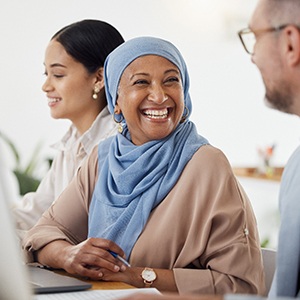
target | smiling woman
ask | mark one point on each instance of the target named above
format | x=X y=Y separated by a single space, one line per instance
x=151 y=95
x=157 y=175
x=68 y=83
x=74 y=87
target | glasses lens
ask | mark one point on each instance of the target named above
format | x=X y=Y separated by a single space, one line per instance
x=249 y=41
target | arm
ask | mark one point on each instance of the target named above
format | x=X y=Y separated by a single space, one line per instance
x=85 y=259
x=66 y=219
x=224 y=229
x=30 y=208
x=165 y=278
x=198 y=231
x=59 y=238
x=288 y=252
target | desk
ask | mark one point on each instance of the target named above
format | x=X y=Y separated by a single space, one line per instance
x=100 y=285
x=109 y=285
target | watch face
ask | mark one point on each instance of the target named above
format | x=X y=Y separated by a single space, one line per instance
x=149 y=275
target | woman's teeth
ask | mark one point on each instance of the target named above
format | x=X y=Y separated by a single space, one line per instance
x=156 y=114
x=53 y=100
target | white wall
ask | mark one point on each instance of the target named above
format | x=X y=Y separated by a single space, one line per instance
x=226 y=88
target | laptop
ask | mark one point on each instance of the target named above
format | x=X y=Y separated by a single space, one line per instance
x=45 y=281
x=17 y=280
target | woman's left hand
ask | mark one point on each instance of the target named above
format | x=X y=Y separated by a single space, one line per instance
x=132 y=276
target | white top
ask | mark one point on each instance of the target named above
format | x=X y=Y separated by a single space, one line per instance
x=72 y=149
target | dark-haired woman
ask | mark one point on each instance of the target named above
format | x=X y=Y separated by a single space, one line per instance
x=74 y=88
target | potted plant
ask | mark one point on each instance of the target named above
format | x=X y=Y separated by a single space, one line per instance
x=25 y=175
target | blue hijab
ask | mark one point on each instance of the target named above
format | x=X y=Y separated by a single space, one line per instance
x=133 y=180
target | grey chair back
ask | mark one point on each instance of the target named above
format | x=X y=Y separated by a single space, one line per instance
x=269 y=263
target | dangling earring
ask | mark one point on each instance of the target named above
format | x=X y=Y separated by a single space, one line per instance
x=185 y=114
x=96 y=91
x=119 y=122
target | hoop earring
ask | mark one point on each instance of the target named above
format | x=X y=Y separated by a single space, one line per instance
x=96 y=91
x=185 y=115
x=119 y=122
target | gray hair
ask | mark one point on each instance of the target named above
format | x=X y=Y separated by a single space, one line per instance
x=280 y=12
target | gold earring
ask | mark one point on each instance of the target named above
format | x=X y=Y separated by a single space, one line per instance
x=119 y=122
x=185 y=115
x=96 y=91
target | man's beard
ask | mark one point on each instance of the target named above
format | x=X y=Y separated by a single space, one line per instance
x=281 y=100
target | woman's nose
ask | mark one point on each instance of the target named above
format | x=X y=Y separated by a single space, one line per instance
x=46 y=87
x=157 y=94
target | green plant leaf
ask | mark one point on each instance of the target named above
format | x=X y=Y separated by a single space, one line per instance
x=34 y=160
x=265 y=242
x=26 y=182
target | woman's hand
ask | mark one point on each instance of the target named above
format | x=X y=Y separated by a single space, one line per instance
x=131 y=275
x=89 y=258
x=92 y=259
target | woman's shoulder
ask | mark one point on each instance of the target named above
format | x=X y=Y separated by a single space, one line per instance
x=209 y=160
x=210 y=153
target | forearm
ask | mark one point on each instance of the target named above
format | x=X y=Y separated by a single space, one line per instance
x=132 y=275
x=165 y=280
x=53 y=254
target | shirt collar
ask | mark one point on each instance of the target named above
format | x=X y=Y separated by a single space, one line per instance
x=102 y=127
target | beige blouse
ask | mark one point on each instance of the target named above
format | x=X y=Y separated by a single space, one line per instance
x=205 y=229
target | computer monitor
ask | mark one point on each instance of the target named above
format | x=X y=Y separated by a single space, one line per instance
x=13 y=283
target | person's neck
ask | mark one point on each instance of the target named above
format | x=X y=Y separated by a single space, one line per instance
x=85 y=122
x=296 y=105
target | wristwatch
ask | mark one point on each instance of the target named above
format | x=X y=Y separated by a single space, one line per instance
x=148 y=276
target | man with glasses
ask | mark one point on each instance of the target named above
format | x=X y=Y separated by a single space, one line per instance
x=273 y=41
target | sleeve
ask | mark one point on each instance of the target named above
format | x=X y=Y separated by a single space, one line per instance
x=30 y=208
x=288 y=252
x=67 y=217
x=223 y=236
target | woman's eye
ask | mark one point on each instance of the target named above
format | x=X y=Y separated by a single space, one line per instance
x=140 y=81
x=173 y=79
x=58 y=75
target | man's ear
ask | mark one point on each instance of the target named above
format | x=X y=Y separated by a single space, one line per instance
x=99 y=78
x=292 y=45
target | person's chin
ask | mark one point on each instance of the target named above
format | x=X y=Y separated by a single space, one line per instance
x=268 y=103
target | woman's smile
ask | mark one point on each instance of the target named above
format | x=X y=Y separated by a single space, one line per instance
x=53 y=101
x=156 y=114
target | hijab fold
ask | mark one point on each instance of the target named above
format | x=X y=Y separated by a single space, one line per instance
x=132 y=179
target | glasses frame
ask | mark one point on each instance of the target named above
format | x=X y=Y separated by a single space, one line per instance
x=247 y=30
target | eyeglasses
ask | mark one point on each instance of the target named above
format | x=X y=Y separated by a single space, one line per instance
x=248 y=37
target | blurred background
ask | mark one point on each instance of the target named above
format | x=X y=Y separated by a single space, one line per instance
x=226 y=88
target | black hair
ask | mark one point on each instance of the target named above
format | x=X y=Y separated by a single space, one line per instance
x=89 y=42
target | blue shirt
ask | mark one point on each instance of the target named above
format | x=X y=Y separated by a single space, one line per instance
x=286 y=279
